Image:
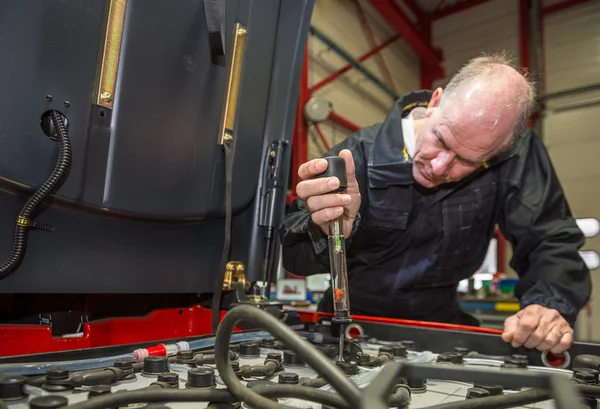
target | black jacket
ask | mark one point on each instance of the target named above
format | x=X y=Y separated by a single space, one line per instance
x=410 y=247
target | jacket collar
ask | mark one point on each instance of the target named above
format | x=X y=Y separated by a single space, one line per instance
x=389 y=163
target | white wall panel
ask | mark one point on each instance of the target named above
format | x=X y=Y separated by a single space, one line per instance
x=571 y=127
x=352 y=95
x=489 y=27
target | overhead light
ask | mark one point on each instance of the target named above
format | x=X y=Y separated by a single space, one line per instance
x=591 y=258
x=590 y=227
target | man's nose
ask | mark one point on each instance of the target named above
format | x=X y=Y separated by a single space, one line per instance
x=441 y=163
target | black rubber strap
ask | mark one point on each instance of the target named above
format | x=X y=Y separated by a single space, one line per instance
x=215 y=22
x=218 y=287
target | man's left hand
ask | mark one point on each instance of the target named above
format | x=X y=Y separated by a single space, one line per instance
x=538 y=327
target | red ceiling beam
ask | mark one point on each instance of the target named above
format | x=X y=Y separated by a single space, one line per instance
x=362 y=58
x=343 y=122
x=416 y=10
x=407 y=30
x=456 y=8
x=562 y=6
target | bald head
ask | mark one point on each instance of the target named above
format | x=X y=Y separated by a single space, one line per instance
x=483 y=107
x=490 y=92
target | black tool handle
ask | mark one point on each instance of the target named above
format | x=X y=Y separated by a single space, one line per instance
x=336 y=166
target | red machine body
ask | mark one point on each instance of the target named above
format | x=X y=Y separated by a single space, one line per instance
x=160 y=325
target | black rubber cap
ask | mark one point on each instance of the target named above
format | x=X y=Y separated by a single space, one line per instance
x=276 y=356
x=288 y=378
x=290 y=358
x=336 y=166
x=585 y=376
x=386 y=350
x=349 y=368
x=415 y=383
x=267 y=342
x=57 y=374
x=408 y=344
x=11 y=387
x=123 y=364
x=249 y=348
x=451 y=357
x=154 y=365
x=169 y=377
x=48 y=402
x=99 y=390
x=494 y=390
x=590 y=371
x=461 y=350
x=474 y=393
x=399 y=351
x=201 y=378
x=513 y=362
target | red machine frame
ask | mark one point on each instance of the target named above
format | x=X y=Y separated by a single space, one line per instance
x=160 y=325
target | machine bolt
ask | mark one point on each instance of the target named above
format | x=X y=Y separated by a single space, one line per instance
x=123 y=364
x=288 y=378
x=57 y=374
x=474 y=393
x=99 y=390
x=106 y=96
x=170 y=378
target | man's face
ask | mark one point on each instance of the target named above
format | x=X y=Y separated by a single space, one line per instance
x=457 y=138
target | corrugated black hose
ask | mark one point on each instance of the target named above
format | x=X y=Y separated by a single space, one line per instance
x=24 y=222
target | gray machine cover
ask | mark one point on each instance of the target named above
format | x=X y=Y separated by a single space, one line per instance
x=142 y=210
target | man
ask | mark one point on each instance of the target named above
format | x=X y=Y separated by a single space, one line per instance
x=425 y=190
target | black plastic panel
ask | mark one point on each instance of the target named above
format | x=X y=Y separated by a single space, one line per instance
x=134 y=172
x=47 y=48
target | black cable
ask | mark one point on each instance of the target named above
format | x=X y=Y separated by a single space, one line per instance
x=218 y=286
x=304 y=349
x=24 y=222
x=499 y=402
x=210 y=395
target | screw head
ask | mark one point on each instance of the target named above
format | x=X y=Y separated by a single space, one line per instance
x=57 y=374
x=124 y=364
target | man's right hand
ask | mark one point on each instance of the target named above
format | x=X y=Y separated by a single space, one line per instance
x=323 y=205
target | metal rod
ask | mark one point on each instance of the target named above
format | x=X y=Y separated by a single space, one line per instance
x=383 y=69
x=398 y=20
x=570 y=92
x=346 y=68
x=341 y=347
x=343 y=122
x=415 y=9
x=562 y=6
x=457 y=8
x=321 y=137
x=507 y=377
x=346 y=56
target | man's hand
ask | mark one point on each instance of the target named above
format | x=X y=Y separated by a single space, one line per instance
x=538 y=327
x=323 y=205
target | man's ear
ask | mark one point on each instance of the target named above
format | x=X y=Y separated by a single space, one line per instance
x=434 y=102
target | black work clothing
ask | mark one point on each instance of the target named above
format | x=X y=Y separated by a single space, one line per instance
x=410 y=246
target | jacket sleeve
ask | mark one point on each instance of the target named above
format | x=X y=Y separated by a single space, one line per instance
x=537 y=221
x=304 y=244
